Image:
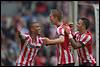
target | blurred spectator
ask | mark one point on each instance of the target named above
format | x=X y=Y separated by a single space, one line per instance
x=41 y=8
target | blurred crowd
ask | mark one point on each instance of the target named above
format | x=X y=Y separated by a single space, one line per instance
x=37 y=10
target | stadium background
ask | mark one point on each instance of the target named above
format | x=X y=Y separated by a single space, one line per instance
x=12 y=11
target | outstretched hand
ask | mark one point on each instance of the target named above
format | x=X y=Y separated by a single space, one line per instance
x=46 y=40
x=19 y=27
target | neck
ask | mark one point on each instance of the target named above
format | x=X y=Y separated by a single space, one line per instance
x=33 y=36
x=57 y=23
x=83 y=31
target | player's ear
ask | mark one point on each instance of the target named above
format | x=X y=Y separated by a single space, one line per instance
x=55 y=17
x=31 y=29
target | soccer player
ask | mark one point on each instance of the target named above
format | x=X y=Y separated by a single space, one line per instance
x=65 y=57
x=82 y=40
x=30 y=44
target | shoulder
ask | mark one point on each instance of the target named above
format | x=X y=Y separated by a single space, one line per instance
x=60 y=29
x=75 y=33
x=40 y=40
x=88 y=34
x=26 y=35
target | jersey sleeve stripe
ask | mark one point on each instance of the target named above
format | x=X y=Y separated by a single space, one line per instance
x=87 y=39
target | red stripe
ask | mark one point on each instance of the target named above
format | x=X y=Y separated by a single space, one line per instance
x=58 y=53
x=27 y=38
x=93 y=60
x=28 y=57
x=63 y=57
x=21 y=47
x=40 y=41
x=77 y=37
x=33 y=56
x=73 y=57
x=80 y=55
x=84 y=52
x=22 y=44
x=79 y=59
x=23 y=55
x=85 y=38
x=75 y=34
x=69 y=58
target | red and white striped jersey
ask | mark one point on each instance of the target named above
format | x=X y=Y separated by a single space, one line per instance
x=28 y=51
x=85 y=53
x=64 y=52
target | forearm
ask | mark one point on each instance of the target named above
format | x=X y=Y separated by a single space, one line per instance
x=75 y=44
x=53 y=41
x=56 y=41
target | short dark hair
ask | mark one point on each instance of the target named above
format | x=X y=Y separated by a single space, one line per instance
x=31 y=23
x=86 y=22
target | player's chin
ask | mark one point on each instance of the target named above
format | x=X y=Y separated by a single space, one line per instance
x=39 y=33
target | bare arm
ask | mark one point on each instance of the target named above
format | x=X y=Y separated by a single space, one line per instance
x=54 y=41
x=75 y=44
x=19 y=27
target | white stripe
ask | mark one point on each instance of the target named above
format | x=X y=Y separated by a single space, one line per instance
x=62 y=31
x=24 y=35
x=18 y=64
x=71 y=58
x=89 y=37
x=38 y=43
x=41 y=40
x=59 y=59
x=29 y=64
x=80 y=59
x=20 y=56
x=34 y=56
x=82 y=37
x=77 y=37
x=87 y=54
x=22 y=51
x=82 y=54
x=75 y=33
x=26 y=56
x=92 y=58
x=32 y=53
x=58 y=30
x=66 y=56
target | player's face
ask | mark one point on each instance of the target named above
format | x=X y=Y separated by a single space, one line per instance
x=36 y=28
x=79 y=25
x=53 y=19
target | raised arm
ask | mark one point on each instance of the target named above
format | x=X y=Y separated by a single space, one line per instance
x=19 y=34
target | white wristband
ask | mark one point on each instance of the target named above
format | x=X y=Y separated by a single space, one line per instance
x=70 y=36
